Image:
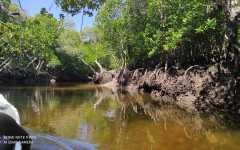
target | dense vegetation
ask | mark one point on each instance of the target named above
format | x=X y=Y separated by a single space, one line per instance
x=127 y=34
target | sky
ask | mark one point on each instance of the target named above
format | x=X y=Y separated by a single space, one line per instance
x=32 y=7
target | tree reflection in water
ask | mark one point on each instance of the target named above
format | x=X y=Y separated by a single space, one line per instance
x=116 y=119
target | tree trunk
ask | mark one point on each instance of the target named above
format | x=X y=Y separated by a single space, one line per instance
x=6 y=64
x=94 y=71
x=30 y=63
x=39 y=65
x=232 y=14
x=124 y=64
x=99 y=65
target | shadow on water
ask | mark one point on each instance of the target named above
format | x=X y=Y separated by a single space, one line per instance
x=62 y=116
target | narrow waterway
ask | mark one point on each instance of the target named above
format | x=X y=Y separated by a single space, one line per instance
x=116 y=119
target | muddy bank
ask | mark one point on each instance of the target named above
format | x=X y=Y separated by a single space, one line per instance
x=208 y=89
x=26 y=77
x=213 y=88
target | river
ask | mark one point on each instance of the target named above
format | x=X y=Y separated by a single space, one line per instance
x=116 y=119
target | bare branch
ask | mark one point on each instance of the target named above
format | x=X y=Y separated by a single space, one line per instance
x=88 y=65
x=7 y=64
x=4 y=62
x=30 y=63
x=99 y=65
x=20 y=5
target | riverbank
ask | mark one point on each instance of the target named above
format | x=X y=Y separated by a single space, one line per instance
x=25 y=77
x=208 y=89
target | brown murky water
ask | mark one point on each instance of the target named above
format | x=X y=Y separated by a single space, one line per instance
x=115 y=119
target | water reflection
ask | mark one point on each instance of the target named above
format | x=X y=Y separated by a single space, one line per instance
x=116 y=119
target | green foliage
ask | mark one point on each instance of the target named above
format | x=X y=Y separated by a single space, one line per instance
x=85 y=46
x=4 y=16
x=13 y=8
x=74 y=7
x=44 y=12
x=44 y=31
x=156 y=30
x=68 y=50
x=146 y=32
x=37 y=38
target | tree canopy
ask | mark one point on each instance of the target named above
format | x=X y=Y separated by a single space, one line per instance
x=151 y=29
x=131 y=33
x=74 y=7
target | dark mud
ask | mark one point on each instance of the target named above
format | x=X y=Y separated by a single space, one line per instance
x=208 y=89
